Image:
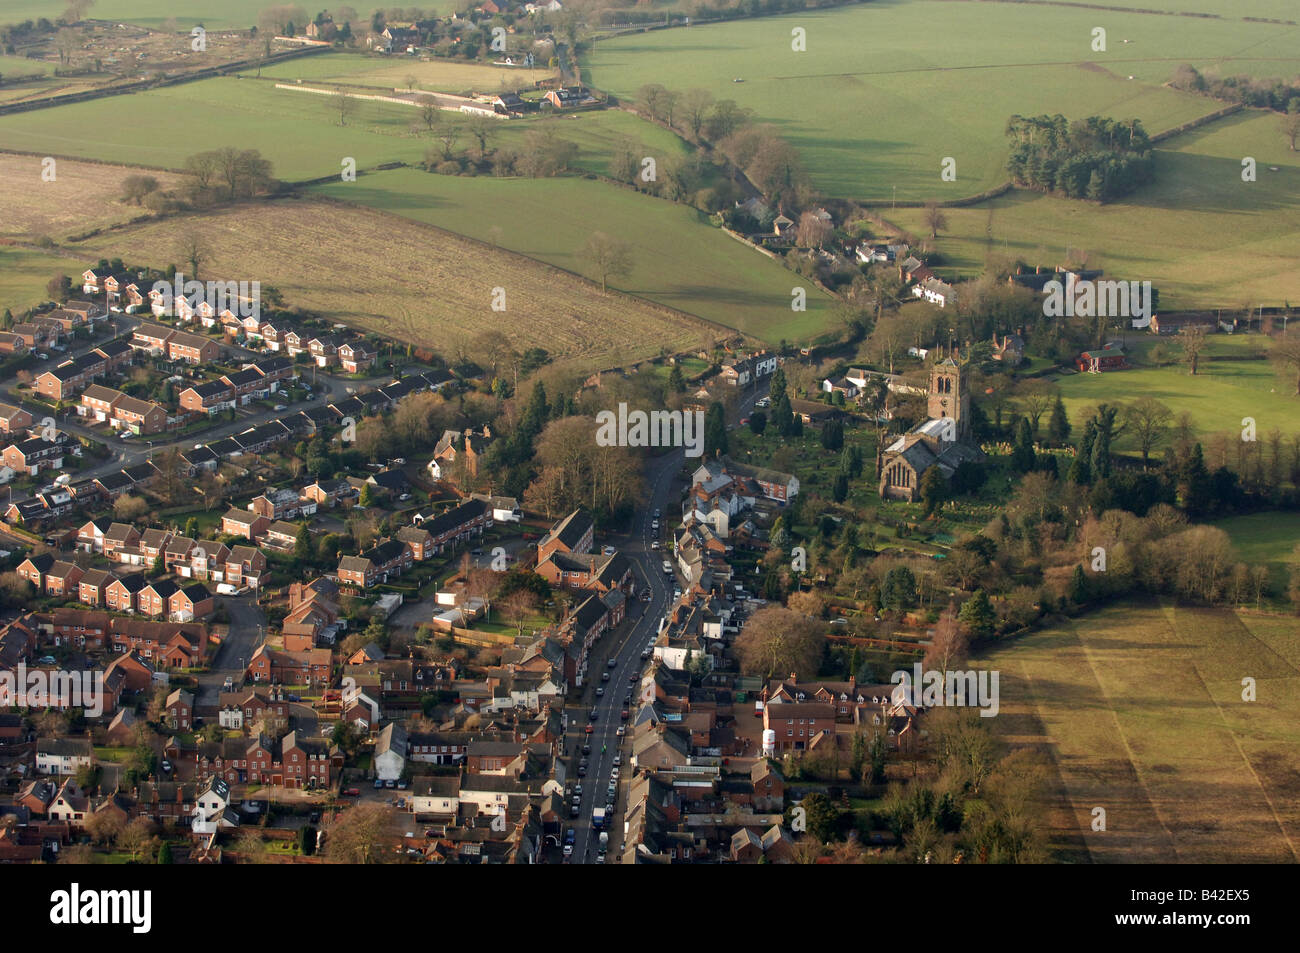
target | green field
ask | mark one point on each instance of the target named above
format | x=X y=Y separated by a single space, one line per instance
x=1269 y=538
x=679 y=260
x=877 y=100
x=1217 y=398
x=1140 y=710
x=226 y=14
x=1199 y=233
x=298 y=131
x=438 y=74
x=24 y=272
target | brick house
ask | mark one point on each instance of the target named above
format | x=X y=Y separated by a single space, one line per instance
x=390 y=558
x=179 y=710
x=248 y=525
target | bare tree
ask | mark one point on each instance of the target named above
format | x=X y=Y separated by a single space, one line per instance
x=430 y=114
x=935 y=220
x=1148 y=420
x=193 y=250
x=346 y=106
x=776 y=642
x=1193 y=339
x=1285 y=354
x=610 y=257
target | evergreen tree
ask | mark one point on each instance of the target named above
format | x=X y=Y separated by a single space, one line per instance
x=1101 y=455
x=165 y=852
x=758 y=422
x=840 y=488
x=676 y=382
x=1022 y=450
x=302 y=545
x=934 y=489
x=1058 y=428
x=192 y=528
x=1194 y=485
x=1079 y=587
x=899 y=590
x=833 y=435
x=715 y=430
x=977 y=615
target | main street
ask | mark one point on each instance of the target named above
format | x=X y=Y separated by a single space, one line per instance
x=664 y=494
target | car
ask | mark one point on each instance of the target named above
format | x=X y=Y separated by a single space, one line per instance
x=631 y=679
x=621 y=731
x=404 y=497
x=568 y=850
x=128 y=436
x=586 y=749
x=577 y=791
x=476 y=552
x=612 y=662
x=668 y=568
x=571 y=835
x=166 y=765
x=351 y=792
x=574 y=811
x=618 y=757
x=229 y=684
x=677 y=592
x=46 y=660
x=600 y=691
x=589 y=729
x=609 y=550
x=582 y=770
x=391 y=783
x=627 y=700
x=42 y=355
x=645 y=654
x=398 y=461
x=763 y=402
x=594 y=715
x=379 y=784
x=624 y=714
x=613 y=773
x=403 y=784
x=654 y=544
x=604 y=676
x=654 y=524
x=656 y=514
x=281 y=407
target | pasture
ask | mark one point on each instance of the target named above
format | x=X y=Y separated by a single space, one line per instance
x=1199 y=233
x=678 y=259
x=1230 y=384
x=24 y=272
x=299 y=132
x=226 y=14
x=874 y=103
x=83 y=196
x=406 y=280
x=1139 y=709
x=391 y=72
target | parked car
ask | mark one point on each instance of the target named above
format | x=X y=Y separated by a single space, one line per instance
x=600 y=690
x=604 y=676
x=379 y=784
x=281 y=407
x=351 y=792
x=609 y=550
x=621 y=731
x=613 y=662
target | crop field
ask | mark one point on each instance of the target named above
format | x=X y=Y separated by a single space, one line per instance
x=1185 y=233
x=83 y=196
x=213 y=14
x=1226 y=388
x=24 y=272
x=1140 y=710
x=678 y=260
x=875 y=104
x=298 y=131
x=415 y=283
x=436 y=74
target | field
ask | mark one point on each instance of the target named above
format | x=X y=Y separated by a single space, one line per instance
x=875 y=103
x=1140 y=710
x=1186 y=233
x=1269 y=538
x=678 y=260
x=1218 y=397
x=299 y=132
x=411 y=282
x=24 y=272
x=82 y=196
x=437 y=74
x=225 y=14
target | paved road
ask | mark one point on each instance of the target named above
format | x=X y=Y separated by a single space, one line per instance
x=664 y=492
x=247 y=630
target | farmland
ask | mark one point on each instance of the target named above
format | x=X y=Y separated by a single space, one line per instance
x=299 y=132
x=436 y=74
x=1184 y=233
x=24 y=272
x=415 y=283
x=874 y=103
x=1140 y=710
x=678 y=260
x=83 y=196
x=226 y=14
x=1230 y=385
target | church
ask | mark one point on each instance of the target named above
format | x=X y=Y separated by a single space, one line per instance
x=943 y=441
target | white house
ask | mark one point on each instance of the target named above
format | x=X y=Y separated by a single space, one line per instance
x=212 y=808
x=62 y=755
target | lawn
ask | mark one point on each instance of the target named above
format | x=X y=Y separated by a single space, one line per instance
x=1139 y=709
x=875 y=103
x=1199 y=233
x=1222 y=393
x=679 y=260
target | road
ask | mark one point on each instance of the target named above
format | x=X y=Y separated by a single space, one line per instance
x=247 y=629
x=664 y=493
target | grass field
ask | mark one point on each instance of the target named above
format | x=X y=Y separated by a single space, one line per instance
x=1271 y=539
x=678 y=260
x=82 y=196
x=409 y=281
x=438 y=74
x=1140 y=710
x=876 y=103
x=299 y=132
x=24 y=272
x=1199 y=233
x=225 y=14
x=1218 y=397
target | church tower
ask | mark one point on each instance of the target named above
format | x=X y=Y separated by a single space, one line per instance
x=948 y=395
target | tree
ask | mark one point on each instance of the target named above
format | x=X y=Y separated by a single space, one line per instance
x=358 y=836
x=193 y=250
x=758 y=422
x=899 y=589
x=695 y=105
x=302 y=545
x=165 y=853
x=1291 y=122
x=813 y=231
x=136 y=187
x=346 y=106
x=934 y=489
x=367 y=497
x=128 y=507
x=430 y=114
x=935 y=220
x=609 y=257
x=715 y=430
x=1193 y=339
x=192 y=528
x=977 y=615
x=821 y=815
x=1022 y=449
x=1058 y=428
x=777 y=641
x=67 y=41
x=1285 y=354
x=1148 y=420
